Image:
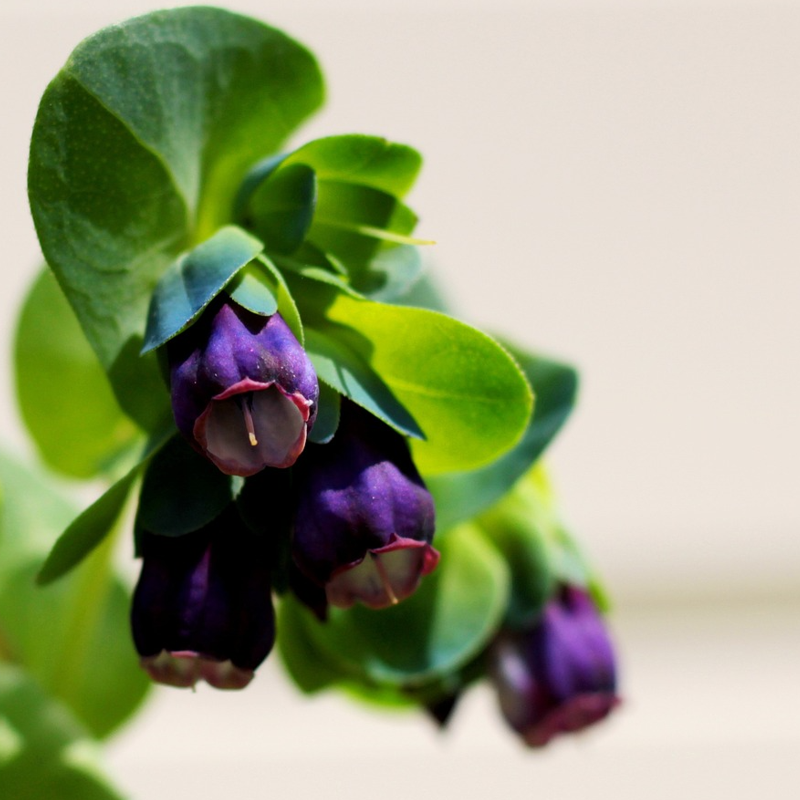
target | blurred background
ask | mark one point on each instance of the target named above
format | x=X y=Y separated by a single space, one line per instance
x=615 y=184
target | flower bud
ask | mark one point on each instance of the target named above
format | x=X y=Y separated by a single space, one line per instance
x=244 y=392
x=364 y=519
x=559 y=674
x=202 y=609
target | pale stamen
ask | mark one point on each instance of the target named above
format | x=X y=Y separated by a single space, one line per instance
x=247 y=410
x=384 y=576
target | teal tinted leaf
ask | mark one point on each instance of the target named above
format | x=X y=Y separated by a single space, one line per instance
x=181 y=492
x=82 y=432
x=328 y=415
x=447 y=622
x=194 y=280
x=44 y=752
x=138 y=150
x=460 y=496
x=346 y=372
x=460 y=386
x=87 y=530
x=281 y=208
x=286 y=304
x=366 y=160
x=254 y=290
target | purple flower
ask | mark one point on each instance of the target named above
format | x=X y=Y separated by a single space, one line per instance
x=202 y=609
x=244 y=392
x=364 y=519
x=558 y=675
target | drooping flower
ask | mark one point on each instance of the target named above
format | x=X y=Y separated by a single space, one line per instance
x=202 y=609
x=559 y=674
x=364 y=518
x=244 y=391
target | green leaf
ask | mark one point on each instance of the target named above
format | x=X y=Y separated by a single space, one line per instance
x=253 y=290
x=282 y=207
x=64 y=395
x=461 y=495
x=44 y=752
x=392 y=274
x=344 y=371
x=448 y=621
x=87 y=530
x=328 y=415
x=366 y=160
x=74 y=636
x=286 y=304
x=465 y=392
x=139 y=147
x=194 y=280
x=181 y=492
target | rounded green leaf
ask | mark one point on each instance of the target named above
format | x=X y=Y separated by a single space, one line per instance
x=80 y=432
x=465 y=392
x=449 y=619
x=139 y=147
x=462 y=495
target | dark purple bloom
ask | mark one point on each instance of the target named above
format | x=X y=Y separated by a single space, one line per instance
x=202 y=609
x=244 y=392
x=559 y=675
x=364 y=519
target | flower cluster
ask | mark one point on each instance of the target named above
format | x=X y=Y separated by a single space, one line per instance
x=245 y=396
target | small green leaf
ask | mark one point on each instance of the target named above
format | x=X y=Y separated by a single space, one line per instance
x=44 y=752
x=286 y=304
x=447 y=622
x=280 y=210
x=328 y=415
x=392 y=273
x=194 y=280
x=367 y=160
x=181 y=492
x=460 y=386
x=87 y=530
x=253 y=290
x=461 y=495
x=338 y=366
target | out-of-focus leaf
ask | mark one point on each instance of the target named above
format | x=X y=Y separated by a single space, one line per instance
x=87 y=530
x=72 y=637
x=63 y=393
x=125 y=174
x=449 y=619
x=462 y=495
x=194 y=280
x=45 y=754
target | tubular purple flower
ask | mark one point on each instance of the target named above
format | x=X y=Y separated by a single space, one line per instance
x=364 y=519
x=244 y=392
x=559 y=675
x=202 y=609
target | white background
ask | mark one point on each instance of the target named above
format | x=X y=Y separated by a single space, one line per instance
x=616 y=183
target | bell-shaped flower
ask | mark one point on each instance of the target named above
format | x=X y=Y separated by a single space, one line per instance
x=202 y=609
x=559 y=675
x=244 y=392
x=364 y=518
